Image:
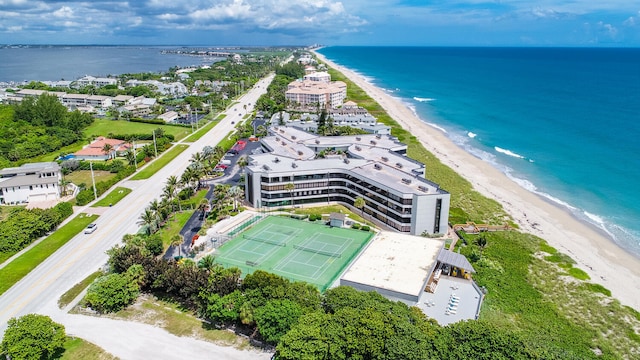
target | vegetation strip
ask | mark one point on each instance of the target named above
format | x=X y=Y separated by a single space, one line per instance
x=72 y=293
x=160 y=162
x=201 y=132
x=21 y=266
x=114 y=197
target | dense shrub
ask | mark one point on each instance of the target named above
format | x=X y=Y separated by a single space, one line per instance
x=22 y=226
x=86 y=196
x=111 y=293
x=355 y=226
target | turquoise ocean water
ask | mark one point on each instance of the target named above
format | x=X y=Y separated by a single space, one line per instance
x=562 y=122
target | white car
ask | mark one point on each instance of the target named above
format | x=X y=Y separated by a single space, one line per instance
x=90 y=228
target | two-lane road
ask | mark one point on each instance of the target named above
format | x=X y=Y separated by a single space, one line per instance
x=85 y=253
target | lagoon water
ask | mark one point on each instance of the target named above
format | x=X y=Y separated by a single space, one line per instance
x=27 y=63
x=562 y=122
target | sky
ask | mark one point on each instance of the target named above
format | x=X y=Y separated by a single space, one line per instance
x=326 y=22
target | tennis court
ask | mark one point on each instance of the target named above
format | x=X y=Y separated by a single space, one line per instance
x=295 y=249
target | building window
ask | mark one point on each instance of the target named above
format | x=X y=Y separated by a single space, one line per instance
x=436 y=226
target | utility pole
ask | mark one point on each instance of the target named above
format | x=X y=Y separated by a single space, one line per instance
x=135 y=157
x=155 y=147
x=93 y=180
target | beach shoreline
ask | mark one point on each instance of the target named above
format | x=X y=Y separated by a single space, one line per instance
x=594 y=252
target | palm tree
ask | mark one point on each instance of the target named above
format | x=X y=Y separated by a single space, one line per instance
x=481 y=242
x=360 y=203
x=243 y=162
x=290 y=187
x=148 y=218
x=106 y=149
x=236 y=193
x=208 y=262
x=203 y=206
x=176 y=241
x=171 y=190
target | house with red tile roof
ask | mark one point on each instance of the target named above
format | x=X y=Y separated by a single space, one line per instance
x=95 y=150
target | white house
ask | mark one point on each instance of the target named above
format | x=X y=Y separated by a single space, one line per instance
x=30 y=183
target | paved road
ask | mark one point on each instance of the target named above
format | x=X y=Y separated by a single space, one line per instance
x=39 y=291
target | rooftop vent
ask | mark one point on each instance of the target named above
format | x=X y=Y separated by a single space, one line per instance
x=346 y=161
x=358 y=138
x=266 y=167
x=399 y=165
x=358 y=148
x=317 y=141
x=283 y=143
x=293 y=137
x=377 y=166
x=406 y=181
x=294 y=165
x=282 y=131
x=373 y=142
x=276 y=160
x=300 y=152
x=378 y=136
x=423 y=188
x=385 y=159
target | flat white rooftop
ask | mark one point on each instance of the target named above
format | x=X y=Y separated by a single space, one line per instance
x=395 y=262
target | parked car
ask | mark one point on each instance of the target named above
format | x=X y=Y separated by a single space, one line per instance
x=90 y=228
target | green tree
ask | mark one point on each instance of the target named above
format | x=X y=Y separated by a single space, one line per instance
x=290 y=187
x=276 y=317
x=32 y=337
x=360 y=203
x=176 y=242
x=111 y=293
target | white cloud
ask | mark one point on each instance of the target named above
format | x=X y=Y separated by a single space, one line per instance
x=63 y=12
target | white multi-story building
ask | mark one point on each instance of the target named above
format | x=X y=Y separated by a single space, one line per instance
x=99 y=101
x=373 y=167
x=97 y=82
x=321 y=76
x=307 y=92
x=30 y=183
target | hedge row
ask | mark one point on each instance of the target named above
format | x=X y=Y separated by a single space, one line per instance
x=23 y=226
x=86 y=196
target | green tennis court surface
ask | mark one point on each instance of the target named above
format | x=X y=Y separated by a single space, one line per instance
x=295 y=249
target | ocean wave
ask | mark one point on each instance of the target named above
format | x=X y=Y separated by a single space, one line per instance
x=415 y=112
x=423 y=99
x=471 y=134
x=508 y=152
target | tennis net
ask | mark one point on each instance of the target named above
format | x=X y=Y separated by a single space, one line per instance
x=266 y=241
x=317 y=251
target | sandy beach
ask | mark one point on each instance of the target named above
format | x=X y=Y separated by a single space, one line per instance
x=605 y=262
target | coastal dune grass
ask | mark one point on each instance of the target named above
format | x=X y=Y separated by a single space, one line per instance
x=530 y=287
x=21 y=266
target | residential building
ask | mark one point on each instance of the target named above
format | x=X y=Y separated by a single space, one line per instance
x=30 y=183
x=169 y=116
x=100 y=101
x=320 y=76
x=121 y=100
x=95 y=150
x=343 y=168
x=97 y=82
x=308 y=92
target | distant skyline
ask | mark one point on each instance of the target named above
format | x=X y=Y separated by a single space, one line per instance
x=328 y=22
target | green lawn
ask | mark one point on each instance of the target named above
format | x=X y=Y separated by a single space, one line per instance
x=113 y=197
x=200 y=133
x=84 y=177
x=173 y=227
x=160 y=162
x=76 y=348
x=72 y=293
x=102 y=127
x=20 y=267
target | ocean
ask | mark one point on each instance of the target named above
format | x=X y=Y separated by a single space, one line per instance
x=563 y=123
x=58 y=62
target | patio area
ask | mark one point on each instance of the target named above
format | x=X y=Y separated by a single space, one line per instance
x=455 y=299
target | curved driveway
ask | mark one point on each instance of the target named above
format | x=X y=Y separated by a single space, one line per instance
x=39 y=291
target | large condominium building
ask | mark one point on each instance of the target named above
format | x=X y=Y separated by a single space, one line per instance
x=30 y=183
x=321 y=76
x=341 y=169
x=308 y=92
